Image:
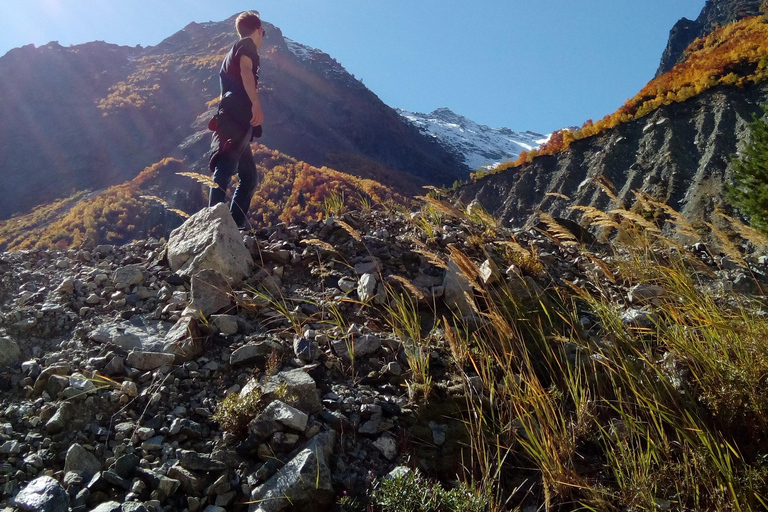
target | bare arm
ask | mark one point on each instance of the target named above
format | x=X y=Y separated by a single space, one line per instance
x=249 y=82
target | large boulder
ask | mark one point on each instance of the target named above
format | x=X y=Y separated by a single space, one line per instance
x=43 y=494
x=304 y=483
x=209 y=240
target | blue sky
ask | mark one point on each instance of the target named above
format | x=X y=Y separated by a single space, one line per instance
x=525 y=64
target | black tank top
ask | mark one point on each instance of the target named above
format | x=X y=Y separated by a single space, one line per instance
x=231 y=80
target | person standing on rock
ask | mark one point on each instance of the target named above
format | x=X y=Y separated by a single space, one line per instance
x=238 y=119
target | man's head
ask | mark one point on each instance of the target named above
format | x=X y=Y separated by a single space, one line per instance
x=248 y=23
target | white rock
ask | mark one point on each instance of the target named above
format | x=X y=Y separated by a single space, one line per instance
x=489 y=272
x=366 y=287
x=209 y=240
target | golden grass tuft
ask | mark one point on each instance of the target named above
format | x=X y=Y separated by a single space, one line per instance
x=200 y=178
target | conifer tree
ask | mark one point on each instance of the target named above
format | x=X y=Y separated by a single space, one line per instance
x=750 y=190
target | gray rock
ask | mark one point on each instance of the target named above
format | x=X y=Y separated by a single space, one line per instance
x=367 y=267
x=149 y=360
x=455 y=290
x=126 y=465
x=210 y=292
x=43 y=494
x=361 y=345
x=109 y=506
x=387 y=445
x=438 y=432
x=10 y=353
x=189 y=482
x=10 y=448
x=644 y=292
x=132 y=506
x=304 y=483
x=366 y=287
x=347 y=284
x=198 y=462
x=61 y=420
x=214 y=508
x=128 y=275
x=153 y=444
x=185 y=340
x=287 y=415
x=186 y=427
x=82 y=462
x=209 y=240
x=226 y=324
x=254 y=352
x=136 y=334
x=306 y=350
x=298 y=385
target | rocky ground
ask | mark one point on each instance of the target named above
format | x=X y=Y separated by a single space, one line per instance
x=208 y=374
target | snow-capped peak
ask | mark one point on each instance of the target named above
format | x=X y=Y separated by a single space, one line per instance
x=481 y=145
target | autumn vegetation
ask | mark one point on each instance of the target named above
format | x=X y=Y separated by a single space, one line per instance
x=148 y=206
x=735 y=56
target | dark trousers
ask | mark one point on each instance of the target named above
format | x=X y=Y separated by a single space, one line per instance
x=238 y=159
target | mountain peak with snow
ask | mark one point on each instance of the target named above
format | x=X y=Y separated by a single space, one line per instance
x=480 y=145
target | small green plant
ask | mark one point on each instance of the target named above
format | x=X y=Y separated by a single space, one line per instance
x=410 y=492
x=403 y=317
x=334 y=205
x=235 y=412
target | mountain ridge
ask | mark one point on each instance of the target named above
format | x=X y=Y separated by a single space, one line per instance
x=111 y=111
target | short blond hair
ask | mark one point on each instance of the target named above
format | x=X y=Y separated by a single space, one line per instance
x=247 y=23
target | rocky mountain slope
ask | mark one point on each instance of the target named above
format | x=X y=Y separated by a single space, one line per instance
x=221 y=372
x=680 y=154
x=94 y=115
x=480 y=145
x=715 y=13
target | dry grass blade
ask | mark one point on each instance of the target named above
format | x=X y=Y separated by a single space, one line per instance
x=319 y=243
x=432 y=258
x=683 y=227
x=557 y=194
x=748 y=233
x=408 y=286
x=607 y=187
x=637 y=219
x=458 y=349
x=468 y=269
x=606 y=270
x=349 y=229
x=728 y=247
x=157 y=200
x=557 y=231
x=595 y=217
x=442 y=207
x=180 y=213
x=200 y=178
x=515 y=246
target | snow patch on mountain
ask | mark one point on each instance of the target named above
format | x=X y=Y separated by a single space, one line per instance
x=481 y=145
